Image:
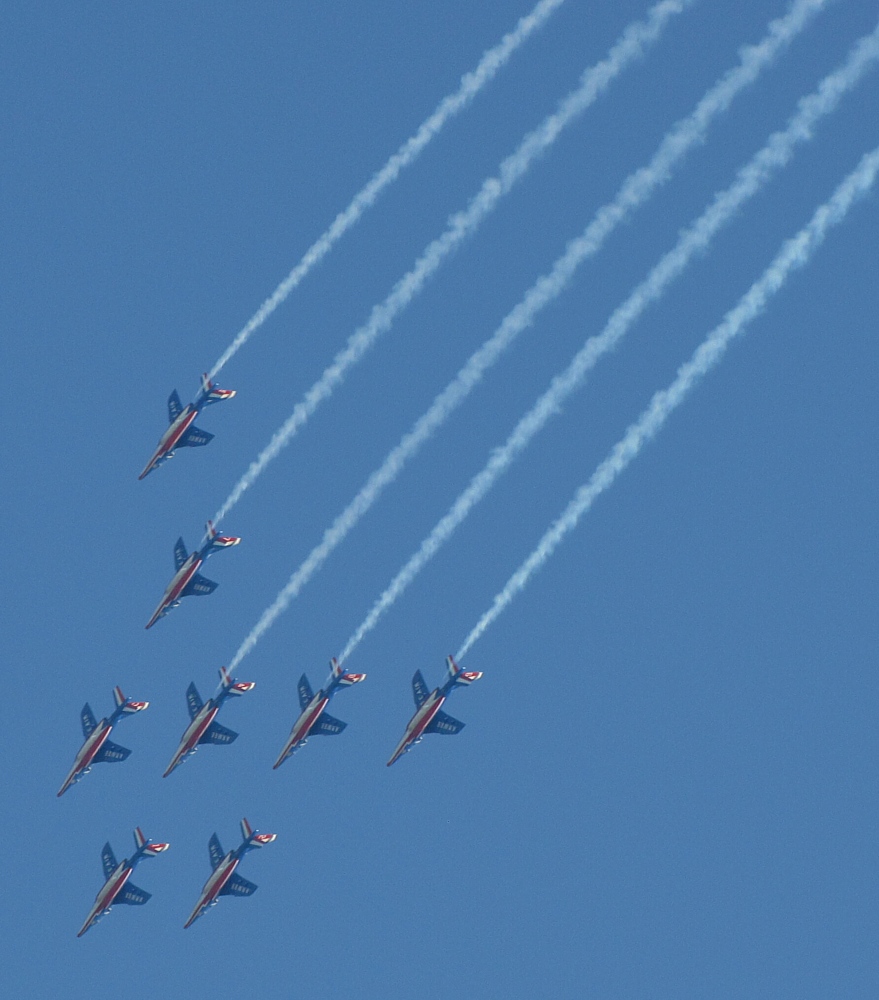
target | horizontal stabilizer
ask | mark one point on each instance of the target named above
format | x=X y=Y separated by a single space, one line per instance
x=132 y=895
x=237 y=886
x=419 y=689
x=175 y=407
x=194 y=437
x=110 y=753
x=89 y=723
x=215 y=851
x=199 y=586
x=326 y=725
x=305 y=692
x=108 y=860
x=193 y=701
x=180 y=553
x=215 y=733
x=346 y=680
x=444 y=724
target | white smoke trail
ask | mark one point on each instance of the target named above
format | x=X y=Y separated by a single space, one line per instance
x=594 y=81
x=471 y=83
x=775 y=154
x=795 y=253
x=634 y=191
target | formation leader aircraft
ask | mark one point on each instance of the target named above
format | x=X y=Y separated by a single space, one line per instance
x=182 y=433
x=187 y=581
x=203 y=728
x=224 y=880
x=97 y=748
x=117 y=888
x=429 y=717
x=314 y=720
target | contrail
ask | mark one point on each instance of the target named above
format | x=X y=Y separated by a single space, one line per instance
x=630 y=46
x=749 y=180
x=471 y=83
x=795 y=253
x=634 y=191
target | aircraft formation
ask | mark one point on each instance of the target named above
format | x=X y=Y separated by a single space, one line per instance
x=203 y=728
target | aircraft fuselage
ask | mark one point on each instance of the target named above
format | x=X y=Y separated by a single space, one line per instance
x=87 y=753
x=419 y=722
x=214 y=885
x=178 y=584
x=108 y=893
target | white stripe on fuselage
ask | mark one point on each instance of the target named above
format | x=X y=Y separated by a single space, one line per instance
x=219 y=877
x=171 y=437
x=194 y=732
x=303 y=725
x=87 y=753
x=419 y=722
x=108 y=893
x=312 y=712
x=178 y=583
x=173 y=434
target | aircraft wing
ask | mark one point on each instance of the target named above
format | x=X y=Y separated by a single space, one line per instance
x=444 y=724
x=175 y=407
x=89 y=724
x=305 y=692
x=198 y=586
x=419 y=689
x=110 y=753
x=215 y=733
x=179 y=553
x=328 y=726
x=108 y=860
x=215 y=851
x=194 y=437
x=132 y=895
x=237 y=886
x=193 y=701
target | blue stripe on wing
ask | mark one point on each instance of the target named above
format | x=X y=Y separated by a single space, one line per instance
x=132 y=895
x=111 y=753
x=237 y=886
x=444 y=724
x=199 y=586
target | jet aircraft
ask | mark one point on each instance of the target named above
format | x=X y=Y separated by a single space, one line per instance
x=182 y=433
x=224 y=880
x=313 y=720
x=203 y=728
x=117 y=888
x=187 y=581
x=428 y=717
x=97 y=748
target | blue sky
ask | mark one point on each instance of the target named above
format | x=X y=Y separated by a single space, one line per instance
x=666 y=784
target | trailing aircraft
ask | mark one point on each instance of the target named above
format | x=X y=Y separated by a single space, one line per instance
x=187 y=581
x=97 y=748
x=182 y=433
x=203 y=728
x=428 y=717
x=313 y=720
x=117 y=888
x=224 y=880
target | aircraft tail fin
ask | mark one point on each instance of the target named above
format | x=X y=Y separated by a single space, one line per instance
x=218 y=541
x=342 y=677
x=228 y=683
x=460 y=676
x=254 y=839
x=150 y=849
x=128 y=706
x=212 y=392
